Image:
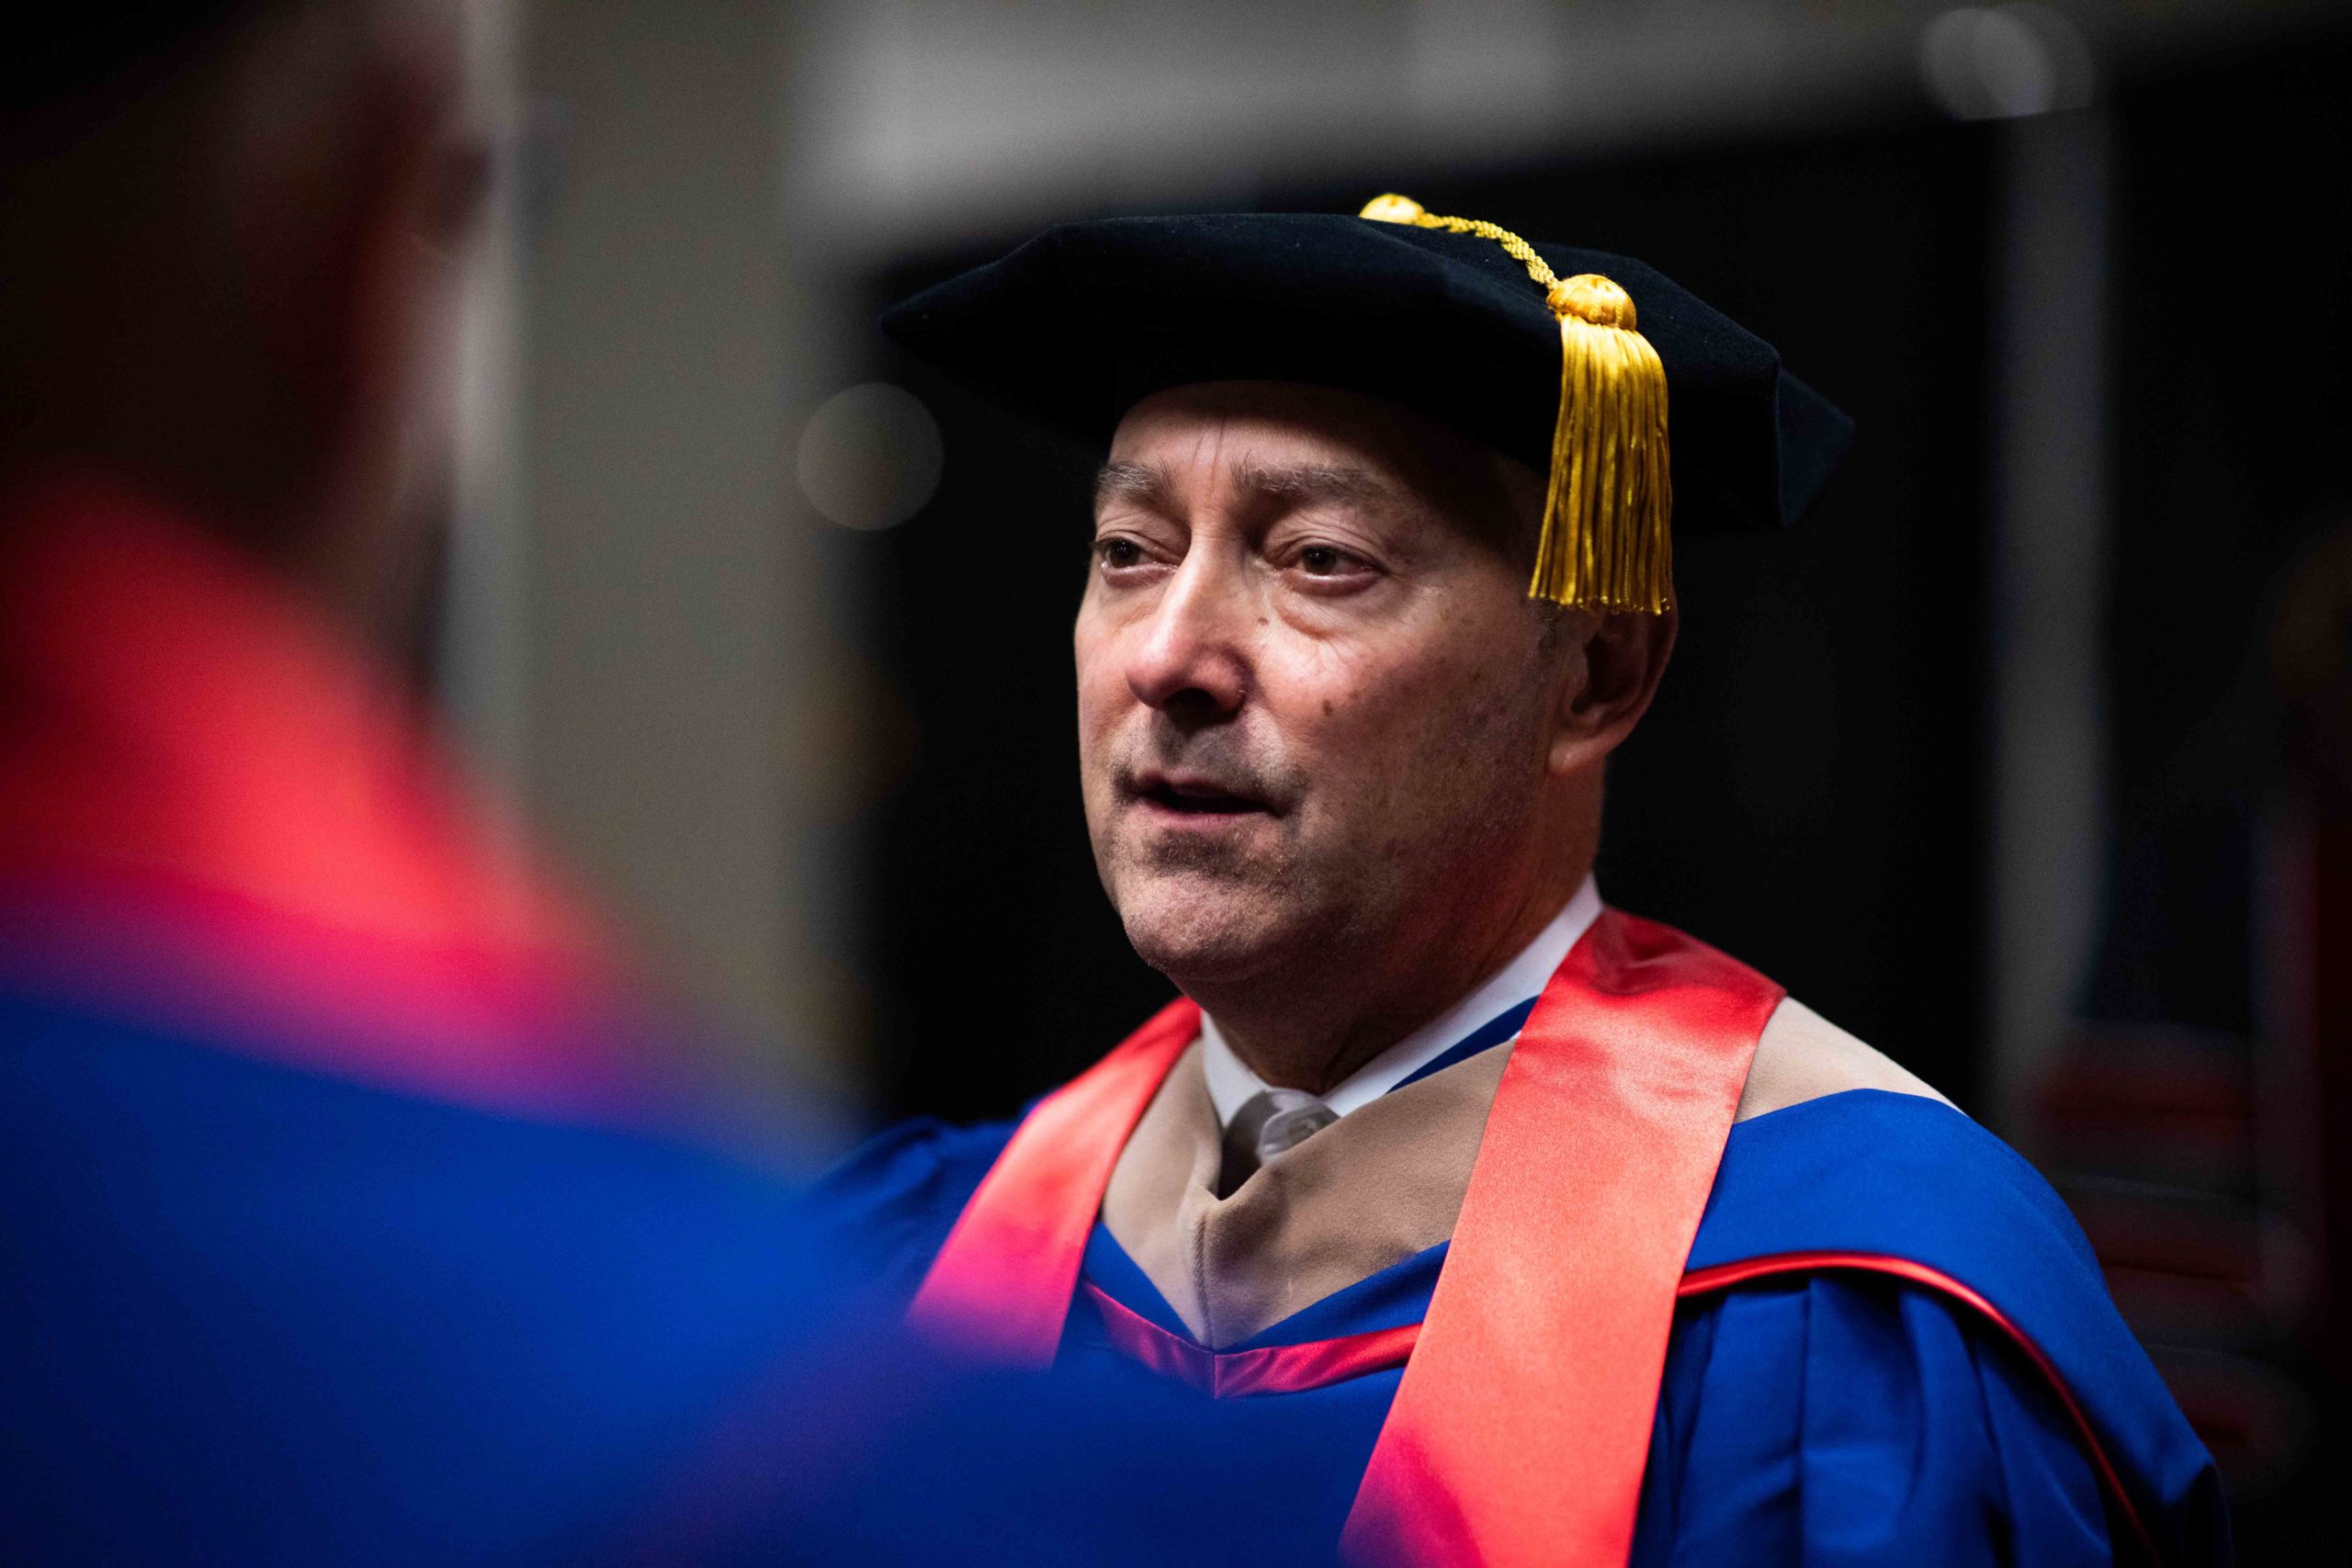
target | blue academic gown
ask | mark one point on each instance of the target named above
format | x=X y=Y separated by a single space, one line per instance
x=1824 y=1417
x=258 y=1316
x=320 y=1240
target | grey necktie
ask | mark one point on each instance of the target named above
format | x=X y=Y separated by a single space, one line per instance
x=1268 y=1122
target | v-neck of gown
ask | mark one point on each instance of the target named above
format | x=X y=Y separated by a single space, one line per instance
x=1372 y=1190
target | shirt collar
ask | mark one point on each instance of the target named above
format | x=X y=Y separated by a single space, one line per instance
x=1231 y=1083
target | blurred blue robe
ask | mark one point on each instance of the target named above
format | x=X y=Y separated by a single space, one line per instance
x=344 y=1215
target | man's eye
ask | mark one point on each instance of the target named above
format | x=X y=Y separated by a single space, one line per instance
x=1115 y=552
x=1322 y=560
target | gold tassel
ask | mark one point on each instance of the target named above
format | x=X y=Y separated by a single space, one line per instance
x=1607 y=542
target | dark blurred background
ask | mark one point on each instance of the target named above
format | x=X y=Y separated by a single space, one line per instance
x=2027 y=757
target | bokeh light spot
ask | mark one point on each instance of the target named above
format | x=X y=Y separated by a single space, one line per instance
x=870 y=457
x=2006 y=61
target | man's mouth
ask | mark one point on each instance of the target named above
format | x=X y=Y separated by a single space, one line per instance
x=1196 y=797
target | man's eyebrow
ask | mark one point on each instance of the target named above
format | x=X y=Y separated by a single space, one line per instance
x=1147 y=485
x=1313 y=481
x=1138 y=482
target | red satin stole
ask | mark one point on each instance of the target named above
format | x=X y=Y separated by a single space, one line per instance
x=1520 y=1427
x=218 y=813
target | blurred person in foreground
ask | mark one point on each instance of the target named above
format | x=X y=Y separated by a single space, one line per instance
x=323 y=1235
x=352 y=1209
x=1541 y=1233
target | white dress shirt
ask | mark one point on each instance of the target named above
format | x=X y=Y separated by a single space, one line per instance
x=1231 y=1083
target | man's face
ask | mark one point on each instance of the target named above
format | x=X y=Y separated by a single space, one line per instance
x=1314 y=699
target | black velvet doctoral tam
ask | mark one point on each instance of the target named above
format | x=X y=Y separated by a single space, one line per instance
x=1087 y=319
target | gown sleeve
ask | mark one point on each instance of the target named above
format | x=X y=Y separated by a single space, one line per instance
x=1840 y=1419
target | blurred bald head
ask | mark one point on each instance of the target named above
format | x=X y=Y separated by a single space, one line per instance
x=227 y=234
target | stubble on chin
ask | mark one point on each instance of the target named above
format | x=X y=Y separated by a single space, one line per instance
x=1201 y=916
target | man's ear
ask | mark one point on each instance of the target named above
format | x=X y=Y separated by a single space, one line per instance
x=319 y=129
x=1607 y=683
x=380 y=201
x=389 y=236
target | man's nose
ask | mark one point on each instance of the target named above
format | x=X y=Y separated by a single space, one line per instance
x=1193 y=660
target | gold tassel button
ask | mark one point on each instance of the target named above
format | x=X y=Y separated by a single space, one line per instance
x=1591 y=298
x=1607 y=543
x=1393 y=208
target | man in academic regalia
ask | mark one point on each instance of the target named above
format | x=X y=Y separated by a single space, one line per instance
x=1521 y=1229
